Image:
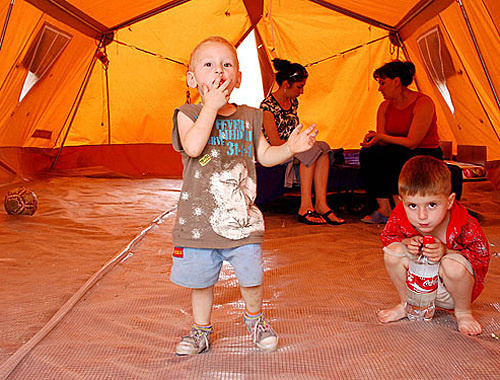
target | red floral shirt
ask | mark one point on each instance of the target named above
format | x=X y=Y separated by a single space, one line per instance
x=463 y=234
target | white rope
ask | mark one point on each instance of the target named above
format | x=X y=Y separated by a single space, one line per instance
x=10 y=364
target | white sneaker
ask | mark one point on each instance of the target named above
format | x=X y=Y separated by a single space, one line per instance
x=263 y=335
x=197 y=342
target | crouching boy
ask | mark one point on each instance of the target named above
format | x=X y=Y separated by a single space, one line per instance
x=428 y=207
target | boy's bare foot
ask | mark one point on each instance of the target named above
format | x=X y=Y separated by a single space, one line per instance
x=467 y=324
x=393 y=314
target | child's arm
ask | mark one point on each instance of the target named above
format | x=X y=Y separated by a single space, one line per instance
x=298 y=142
x=194 y=136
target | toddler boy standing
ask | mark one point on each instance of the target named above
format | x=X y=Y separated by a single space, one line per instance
x=217 y=219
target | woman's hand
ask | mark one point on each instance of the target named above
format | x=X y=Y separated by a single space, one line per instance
x=370 y=139
x=301 y=141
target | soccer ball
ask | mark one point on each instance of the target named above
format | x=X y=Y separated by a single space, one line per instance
x=20 y=201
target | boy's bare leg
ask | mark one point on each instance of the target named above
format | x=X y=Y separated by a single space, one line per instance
x=198 y=340
x=264 y=337
x=202 y=300
x=396 y=268
x=252 y=297
x=459 y=282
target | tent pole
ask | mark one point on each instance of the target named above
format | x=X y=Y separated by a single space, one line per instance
x=4 y=31
x=78 y=100
x=478 y=50
x=7 y=168
x=7 y=18
x=71 y=16
x=151 y=13
x=398 y=42
x=106 y=74
x=354 y=15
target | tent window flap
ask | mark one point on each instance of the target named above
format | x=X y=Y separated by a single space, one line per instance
x=42 y=54
x=434 y=54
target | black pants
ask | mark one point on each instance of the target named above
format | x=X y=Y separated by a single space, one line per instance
x=381 y=165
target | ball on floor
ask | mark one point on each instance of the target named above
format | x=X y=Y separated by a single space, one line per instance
x=20 y=201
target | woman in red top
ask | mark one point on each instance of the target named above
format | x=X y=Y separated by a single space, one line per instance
x=406 y=127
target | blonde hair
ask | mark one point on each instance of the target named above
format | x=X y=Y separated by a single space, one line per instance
x=211 y=39
x=424 y=175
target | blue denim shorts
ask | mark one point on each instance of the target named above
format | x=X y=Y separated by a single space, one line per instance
x=200 y=267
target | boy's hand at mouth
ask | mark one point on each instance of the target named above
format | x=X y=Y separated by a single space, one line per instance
x=217 y=95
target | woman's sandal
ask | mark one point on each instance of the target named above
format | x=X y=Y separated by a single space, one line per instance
x=330 y=221
x=307 y=218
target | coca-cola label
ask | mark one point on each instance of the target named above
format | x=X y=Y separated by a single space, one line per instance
x=421 y=285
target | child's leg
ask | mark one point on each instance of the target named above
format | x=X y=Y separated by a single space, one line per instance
x=202 y=300
x=459 y=283
x=199 y=339
x=197 y=269
x=262 y=334
x=253 y=298
x=396 y=263
x=247 y=263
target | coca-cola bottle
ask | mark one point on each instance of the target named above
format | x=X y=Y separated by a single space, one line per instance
x=421 y=286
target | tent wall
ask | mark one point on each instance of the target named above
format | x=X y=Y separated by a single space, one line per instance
x=477 y=116
x=122 y=122
x=340 y=96
x=47 y=106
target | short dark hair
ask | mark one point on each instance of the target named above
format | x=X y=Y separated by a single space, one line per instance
x=405 y=71
x=291 y=72
x=424 y=175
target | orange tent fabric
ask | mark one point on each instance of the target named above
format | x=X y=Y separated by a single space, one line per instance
x=105 y=103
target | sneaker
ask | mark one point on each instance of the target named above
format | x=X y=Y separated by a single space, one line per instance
x=197 y=342
x=263 y=335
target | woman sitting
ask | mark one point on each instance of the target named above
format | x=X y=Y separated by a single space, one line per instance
x=280 y=119
x=406 y=127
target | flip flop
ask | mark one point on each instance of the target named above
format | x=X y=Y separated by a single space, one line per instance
x=375 y=218
x=329 y=221
x=306 y=218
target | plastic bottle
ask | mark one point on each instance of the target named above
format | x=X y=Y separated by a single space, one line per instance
x=421 y=286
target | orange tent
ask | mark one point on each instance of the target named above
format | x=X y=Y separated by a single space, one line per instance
x=90 y=86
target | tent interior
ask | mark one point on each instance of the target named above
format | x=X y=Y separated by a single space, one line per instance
x=87 y=93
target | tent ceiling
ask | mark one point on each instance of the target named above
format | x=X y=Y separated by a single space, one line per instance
x=113 y=14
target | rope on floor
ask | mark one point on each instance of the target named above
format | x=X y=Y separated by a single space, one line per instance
x=10 y=365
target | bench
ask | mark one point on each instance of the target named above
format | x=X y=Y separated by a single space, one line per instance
x=344 y=179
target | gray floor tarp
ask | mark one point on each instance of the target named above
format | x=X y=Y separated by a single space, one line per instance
x=85 y=294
